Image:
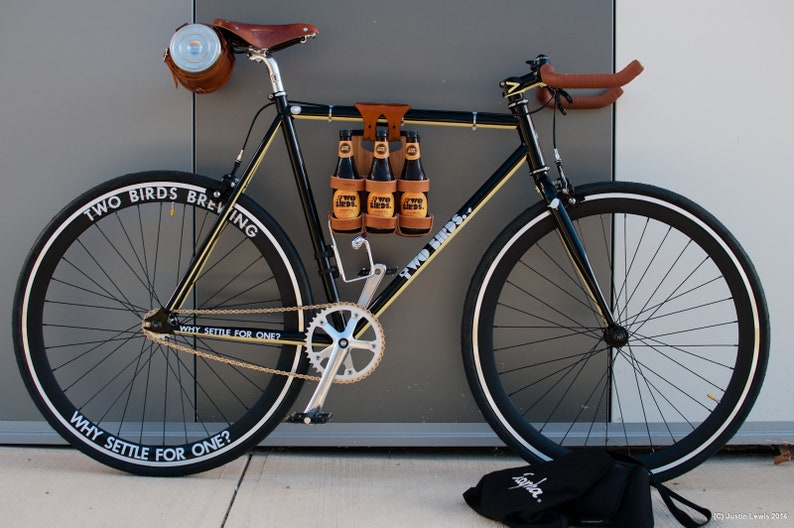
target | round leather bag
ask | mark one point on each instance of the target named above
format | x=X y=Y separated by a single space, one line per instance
x=199 y=58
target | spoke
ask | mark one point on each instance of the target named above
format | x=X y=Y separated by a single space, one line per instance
x=672 y=385
x=121 y=338
x=564 y=315
x=107 y=384
x=565 y=370
x=129 y=395
x=582 y=365
x=628 y=263
x=657 y=347
x=102 y=292
x=656 y=317
x=589 y=333
x=91 y=306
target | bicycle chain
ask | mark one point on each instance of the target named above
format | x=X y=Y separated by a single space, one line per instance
x=237 y=363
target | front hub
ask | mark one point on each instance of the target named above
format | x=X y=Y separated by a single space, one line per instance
x=616 y=336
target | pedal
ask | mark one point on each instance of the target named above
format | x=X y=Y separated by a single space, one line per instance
x=309 y=419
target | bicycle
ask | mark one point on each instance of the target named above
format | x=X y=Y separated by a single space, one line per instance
x=164 y=323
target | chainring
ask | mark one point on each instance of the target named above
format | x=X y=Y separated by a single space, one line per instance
x=348 y=329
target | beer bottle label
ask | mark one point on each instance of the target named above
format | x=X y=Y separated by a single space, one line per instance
x=412 y=151
x=413 y=204
x=346 y=204
x=345 y=148
x=381 y=150
x=380 y=204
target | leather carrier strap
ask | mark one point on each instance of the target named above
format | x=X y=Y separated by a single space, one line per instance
x=372 y=112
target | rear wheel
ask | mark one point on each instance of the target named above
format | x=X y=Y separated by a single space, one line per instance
x=546 y=376
x=110 y=257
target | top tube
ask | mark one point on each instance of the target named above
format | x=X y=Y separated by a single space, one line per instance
x=308 y=110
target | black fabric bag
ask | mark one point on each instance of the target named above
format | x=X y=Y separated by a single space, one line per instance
x=621 y=499
x=587 y=487
x=531 y=496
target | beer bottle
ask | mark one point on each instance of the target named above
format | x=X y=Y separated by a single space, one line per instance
x=413 y=198
x=380 y=186
x=346 y=200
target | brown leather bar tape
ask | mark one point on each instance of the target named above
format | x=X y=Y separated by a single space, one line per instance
x=590 y=80
x=582 y=102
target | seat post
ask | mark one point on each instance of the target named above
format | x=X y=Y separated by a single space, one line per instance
x=263 y=56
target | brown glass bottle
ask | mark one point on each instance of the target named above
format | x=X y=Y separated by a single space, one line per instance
x=413 y=201
x=346 y=200
x=380 y=186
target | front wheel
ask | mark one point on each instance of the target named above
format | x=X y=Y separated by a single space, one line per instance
x=116 y=253
x=539 y=363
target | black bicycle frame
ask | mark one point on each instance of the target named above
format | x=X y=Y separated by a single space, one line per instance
x=286 y=112
x=467 y=211
x=529 y=151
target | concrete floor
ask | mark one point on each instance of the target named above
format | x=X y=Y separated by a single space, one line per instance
x=60 y=487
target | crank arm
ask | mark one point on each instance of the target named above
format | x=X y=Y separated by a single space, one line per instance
x=377 y=272
x=314 y=409
x=340 y=350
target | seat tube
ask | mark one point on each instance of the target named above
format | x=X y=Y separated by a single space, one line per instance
x=322 y=251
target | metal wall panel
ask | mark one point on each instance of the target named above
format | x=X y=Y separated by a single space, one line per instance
x=85 y=97
x=429 y=55
x=88 y=98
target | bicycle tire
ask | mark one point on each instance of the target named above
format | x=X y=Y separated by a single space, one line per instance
x=112 y=255
x=534 y=348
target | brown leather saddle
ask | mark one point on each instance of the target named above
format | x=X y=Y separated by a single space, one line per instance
x=270 y=37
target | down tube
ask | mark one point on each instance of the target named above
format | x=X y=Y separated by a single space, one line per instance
x=449 y=230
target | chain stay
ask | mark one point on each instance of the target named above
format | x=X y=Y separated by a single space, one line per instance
x=155 y=337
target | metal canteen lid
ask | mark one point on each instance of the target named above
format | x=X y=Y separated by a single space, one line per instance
x=195 y=48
